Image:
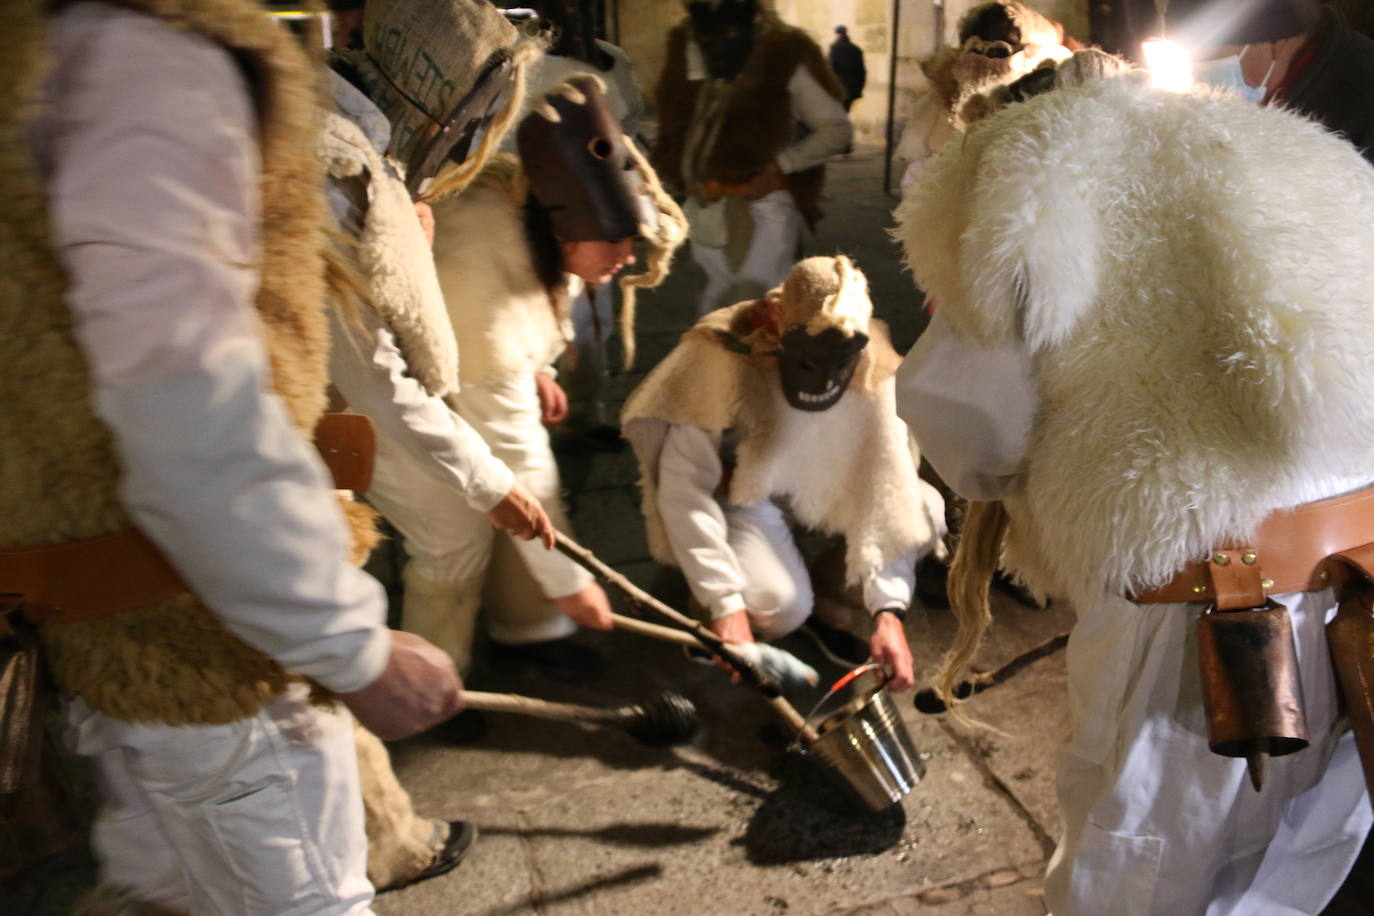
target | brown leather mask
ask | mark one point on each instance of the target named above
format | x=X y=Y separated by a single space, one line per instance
x=580 y=171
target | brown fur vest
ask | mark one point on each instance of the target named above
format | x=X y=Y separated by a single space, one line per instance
x=174 y=662
x=757 y=123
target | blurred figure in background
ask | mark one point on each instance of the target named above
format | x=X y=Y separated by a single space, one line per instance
x=847 y=60
x=749 y=113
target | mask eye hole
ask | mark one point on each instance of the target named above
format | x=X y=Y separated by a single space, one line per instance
x=600 y=147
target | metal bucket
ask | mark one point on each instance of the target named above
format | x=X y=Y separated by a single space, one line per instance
x=864 y=746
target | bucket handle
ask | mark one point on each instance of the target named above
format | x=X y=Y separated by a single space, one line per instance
x=846 y=679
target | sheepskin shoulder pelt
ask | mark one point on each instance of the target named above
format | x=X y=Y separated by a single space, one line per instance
x=508 y=324
x=394 y=257
x=173 y=663
x=1194 y=277
x=756 y=122
x=849 y=470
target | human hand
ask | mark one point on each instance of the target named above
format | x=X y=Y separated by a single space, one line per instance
x=521 y=516
x=733 y=628
x=764 y=183
x=426 y=214
x=889 y=648
x=418 y=689
x=588 y=608
x=553 y=400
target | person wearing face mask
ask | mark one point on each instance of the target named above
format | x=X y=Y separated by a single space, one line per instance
x=774 y=410
x=512 y=252
x=1296 y=54
x=749 y=113
x=1154 y=391
x=585 y=372
x=428 y=79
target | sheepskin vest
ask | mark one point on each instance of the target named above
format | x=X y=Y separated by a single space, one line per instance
x=173 y=663
x=1194 y=280
x=394 y=257
x=849 y=470
x=507 y=323
x=757 y=121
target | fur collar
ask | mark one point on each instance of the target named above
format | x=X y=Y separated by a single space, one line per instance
x=394 y=257
x=1193 y=277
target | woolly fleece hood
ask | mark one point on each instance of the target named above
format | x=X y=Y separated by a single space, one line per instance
x=1194 y=277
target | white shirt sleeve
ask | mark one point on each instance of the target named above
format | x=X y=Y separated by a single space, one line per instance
x=689 y=470
x=152 y=166
x=892 y=585
x=370 y=372
x=829 y=131
x=969 y=407
x=368 y=368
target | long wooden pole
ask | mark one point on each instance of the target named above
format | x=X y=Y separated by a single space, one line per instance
x=766 y=685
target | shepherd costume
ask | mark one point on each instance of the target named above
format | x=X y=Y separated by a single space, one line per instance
x=395 y=359
x=727 y=460
x=511 y=325
x=128 y=300
x=1153 y=334
x=730 y=110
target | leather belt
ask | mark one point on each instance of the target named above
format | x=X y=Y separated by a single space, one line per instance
x=85 y=580
x=1291 y=552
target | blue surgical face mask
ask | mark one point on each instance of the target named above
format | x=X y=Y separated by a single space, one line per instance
x=1226 y=73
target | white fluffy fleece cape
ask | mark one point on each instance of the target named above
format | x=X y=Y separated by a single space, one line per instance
x=1194 y=277
x=506 y=321
x=849 y=470
x=395 y=259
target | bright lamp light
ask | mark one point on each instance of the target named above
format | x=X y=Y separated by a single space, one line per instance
x=1170 y=65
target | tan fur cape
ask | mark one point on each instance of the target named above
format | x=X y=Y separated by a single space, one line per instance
x=1194 y=277
x=172 y=663
x=757 y=122
x=849 y=470
x=506 y=321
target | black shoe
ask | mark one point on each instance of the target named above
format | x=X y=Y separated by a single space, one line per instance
x=840 y=647
x=461 y=836
x=468 y=726
x=557 y=659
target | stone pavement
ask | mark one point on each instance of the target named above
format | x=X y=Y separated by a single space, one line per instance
x=577 y=820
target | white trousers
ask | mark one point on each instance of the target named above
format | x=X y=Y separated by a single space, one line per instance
x=449 y=542
x=260 y=816
x=778 y=228
x=1155 y=822
x=778 y=598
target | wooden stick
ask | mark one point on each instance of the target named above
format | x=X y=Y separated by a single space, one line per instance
x=768 y=686
x=528 y=706
x=654 y=631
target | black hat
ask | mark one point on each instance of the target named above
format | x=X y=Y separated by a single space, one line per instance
x=1208 y=23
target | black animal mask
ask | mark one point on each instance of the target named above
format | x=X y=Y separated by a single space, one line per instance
x=816 y=369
